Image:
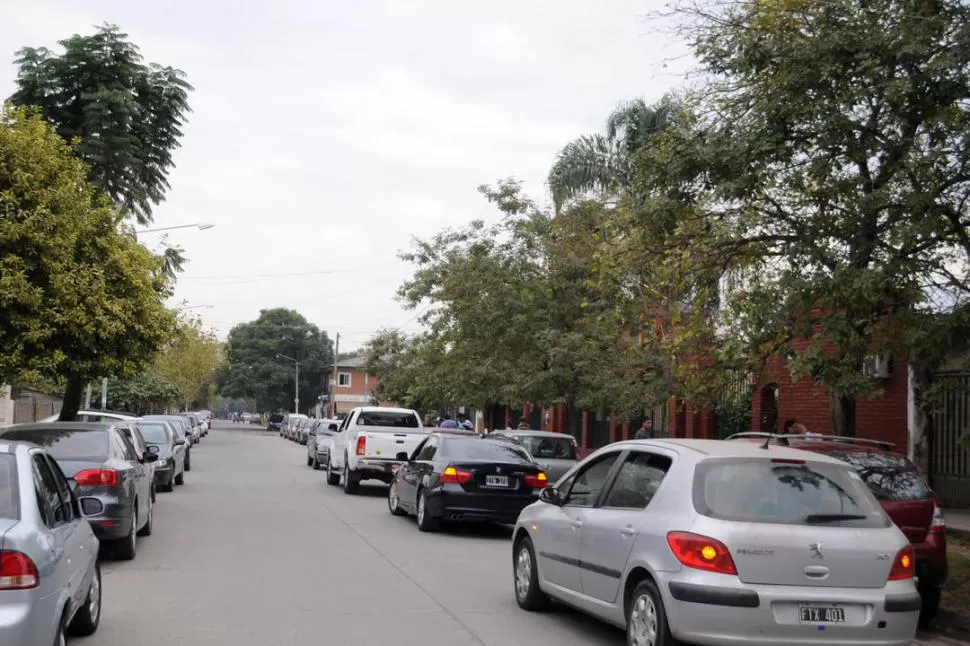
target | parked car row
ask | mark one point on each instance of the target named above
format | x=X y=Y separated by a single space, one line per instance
x=68 y=491
x=758 y=539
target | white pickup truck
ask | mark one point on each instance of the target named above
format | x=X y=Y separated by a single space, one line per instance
x=371 y=444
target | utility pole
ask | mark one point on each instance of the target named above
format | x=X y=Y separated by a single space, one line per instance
x=296 y=390
x=87 y=398
x=104 y=393
x=333 y=380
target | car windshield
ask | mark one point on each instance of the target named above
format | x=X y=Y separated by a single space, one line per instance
x=388 y=418
x=9 y=498
x=772 y=491
x=154 y=433
x=66 y=444
x=484 y=450
x=888 y=476
x=559 y=448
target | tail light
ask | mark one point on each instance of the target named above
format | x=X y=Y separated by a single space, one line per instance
x=455 y=475
x=361 y=445
x=903 y=565
x=537 y=481
x=17 y=571
x=938 y=524
x=97 y=478
x=701 y=553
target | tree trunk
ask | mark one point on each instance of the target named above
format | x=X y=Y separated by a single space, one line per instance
x=920 y=382
x=843 y=414
x=72 y=399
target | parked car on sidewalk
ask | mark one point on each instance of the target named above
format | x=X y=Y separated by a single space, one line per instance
x=900 y=489
x=113 y=481
x=715 y=542
x=556 y=453
x=318 y=442
x=161 y=439
x=182 y=432
x=460 y=476
x=371 y=443
x=50 y=579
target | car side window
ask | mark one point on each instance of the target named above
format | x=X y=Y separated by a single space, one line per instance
x=47 y=492
x=637 y=480
x=63 y=489
x=430 y=448
x=584 y=488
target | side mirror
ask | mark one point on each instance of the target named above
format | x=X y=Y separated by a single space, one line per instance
x=152 y=448
x=552 y=496
x=179 y=442
x=403 y=457
x=148 y=456
x=333 y=427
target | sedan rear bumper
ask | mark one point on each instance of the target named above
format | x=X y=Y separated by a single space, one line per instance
x=451 y=502
x=113 y=522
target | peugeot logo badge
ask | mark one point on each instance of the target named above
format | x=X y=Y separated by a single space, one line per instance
x=498 y=469
x=816 y=549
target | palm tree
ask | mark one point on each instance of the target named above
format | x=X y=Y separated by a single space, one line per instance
x=601 y=162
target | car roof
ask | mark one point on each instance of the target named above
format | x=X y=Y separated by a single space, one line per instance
x=505 y=431
x=67 y=426
x=456 y=432
x=726 y=449
x=384 y=409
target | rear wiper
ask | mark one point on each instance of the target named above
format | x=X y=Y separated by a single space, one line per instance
x=831 y=518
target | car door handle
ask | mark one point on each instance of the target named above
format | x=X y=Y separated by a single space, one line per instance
x=628 y=530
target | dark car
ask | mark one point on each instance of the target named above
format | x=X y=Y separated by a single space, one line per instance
x=170 y=466
x=461 y=476
x=556 y=453
x=182 y=432
x=903 y=494
x=275 y=423
x=113 y=481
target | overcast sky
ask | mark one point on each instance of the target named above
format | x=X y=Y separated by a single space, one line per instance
x=324 y=135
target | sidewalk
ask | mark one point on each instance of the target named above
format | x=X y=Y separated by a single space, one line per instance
x=957 y=519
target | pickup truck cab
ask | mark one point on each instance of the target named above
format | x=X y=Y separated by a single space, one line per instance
x=371 y=443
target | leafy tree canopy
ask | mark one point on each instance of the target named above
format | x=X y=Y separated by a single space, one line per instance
x=190 y=361
x=142 y=394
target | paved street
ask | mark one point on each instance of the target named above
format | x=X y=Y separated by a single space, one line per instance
x=257 y=550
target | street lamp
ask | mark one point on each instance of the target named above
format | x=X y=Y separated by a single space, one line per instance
x=198 y=225
x=296 y=390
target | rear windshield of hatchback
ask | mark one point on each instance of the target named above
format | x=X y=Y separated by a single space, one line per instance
x=9 y=498
x=761 y=490
x=66 y=444
x=889 y=477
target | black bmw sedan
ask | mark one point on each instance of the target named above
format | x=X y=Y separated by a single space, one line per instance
x=460 y=476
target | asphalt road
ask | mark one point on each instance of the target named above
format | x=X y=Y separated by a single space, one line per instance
x=257 y=550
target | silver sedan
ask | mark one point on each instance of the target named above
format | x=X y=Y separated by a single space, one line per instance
x=50 y=581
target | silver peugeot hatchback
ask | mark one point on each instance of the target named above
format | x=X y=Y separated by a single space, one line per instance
x=50 y=582
x=712 y=542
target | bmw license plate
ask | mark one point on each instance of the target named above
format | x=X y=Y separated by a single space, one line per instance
x=821 y=614
x=496 y=481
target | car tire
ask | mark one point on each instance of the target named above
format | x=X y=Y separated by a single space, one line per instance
x=316 y=464
x=525 y=577
x=394 y=502
x=60 y=638
x=351 y=480
x=169 y=486
x=930 y=605
x=426 y=522
x=309 y=461
x=332 y=477
x=188 y=463
x=126 y=548
x=146 y=529
x=646 y=619
x=88 y=616
x=180 y=479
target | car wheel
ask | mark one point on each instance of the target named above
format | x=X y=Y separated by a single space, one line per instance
x=426 y=522
x=646 y=620
x=316 y=464
x=351 y=480
x=127 y=547
x=188 y=463
x=180 y=479
x=333 y=478
x=88 y=616
x=930 y=606
x=309 y=461
x=59 y=638
x=146 y=530
x=394 y=501
x=528 y=594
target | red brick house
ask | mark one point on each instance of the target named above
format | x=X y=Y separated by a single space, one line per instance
x=350 y=387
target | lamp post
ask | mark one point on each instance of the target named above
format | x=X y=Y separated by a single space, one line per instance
x=296 y=390
x=201 y=226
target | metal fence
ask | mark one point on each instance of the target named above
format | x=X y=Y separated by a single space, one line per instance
x=949 y=423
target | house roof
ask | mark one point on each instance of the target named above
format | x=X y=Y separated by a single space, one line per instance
x=353 y=362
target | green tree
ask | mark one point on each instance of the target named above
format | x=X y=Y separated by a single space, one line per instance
x=127 y=114
x=190 y=361
x=602 y=162
x=835 y=182
x=80 y=300
x=142 y=394
x=254 y=366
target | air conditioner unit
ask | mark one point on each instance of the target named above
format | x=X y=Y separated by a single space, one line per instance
x=877 y=366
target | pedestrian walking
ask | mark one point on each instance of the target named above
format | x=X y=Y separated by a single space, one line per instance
x=645 y=432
